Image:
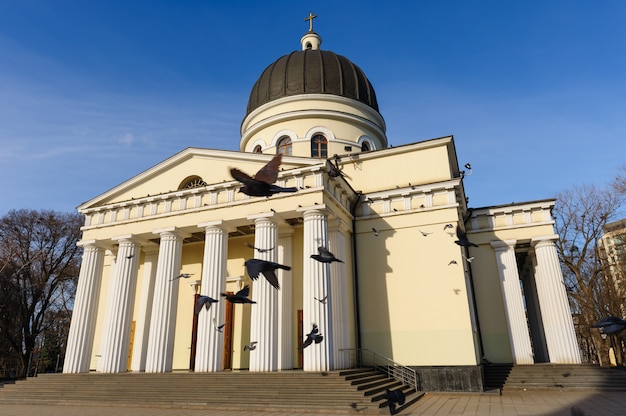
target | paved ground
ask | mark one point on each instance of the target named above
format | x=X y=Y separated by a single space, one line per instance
x=517 y=403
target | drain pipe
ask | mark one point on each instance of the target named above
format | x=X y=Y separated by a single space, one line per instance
x=355 y=274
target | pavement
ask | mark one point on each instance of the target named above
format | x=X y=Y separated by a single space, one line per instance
x=514 y=403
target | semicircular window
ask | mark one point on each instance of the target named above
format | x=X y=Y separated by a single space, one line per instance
x=192 y=182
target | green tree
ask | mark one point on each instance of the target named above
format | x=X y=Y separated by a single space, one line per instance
x=39 y=265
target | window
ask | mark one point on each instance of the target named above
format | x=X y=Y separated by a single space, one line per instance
x=283 y=146
x=365 y=146
x=319 y=146
x=192 y=182
x=257 y=149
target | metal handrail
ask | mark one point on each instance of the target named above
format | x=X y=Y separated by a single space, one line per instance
x=362 y=357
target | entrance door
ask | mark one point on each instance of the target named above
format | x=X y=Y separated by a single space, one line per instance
x=194 y=334
x=228 y=336
x=300 y=336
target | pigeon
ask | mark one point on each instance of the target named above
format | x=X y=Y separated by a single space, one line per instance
x=462 y=239
x=469 y=259
x=183 y=275
x=260 y=250
x=239 y=297
x=312 y=336
x=130 y=256
x=452 y=262
x=256 y=266
x=610 y=325
x=333 y=170
x=445 y=227
x=251 y=346
x=375 y=231
x=325 y=256
x=322 y=300
x=262 y=184
x=393 y=397
x=424 y=233
x=218 y=328
x=205 y=301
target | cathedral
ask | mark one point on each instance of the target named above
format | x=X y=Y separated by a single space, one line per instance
x=424 y=280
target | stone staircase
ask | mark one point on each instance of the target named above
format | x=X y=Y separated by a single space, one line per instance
x=554 y=376
x=337 y=392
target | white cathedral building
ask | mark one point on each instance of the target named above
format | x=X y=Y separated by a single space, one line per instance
x=405 y=290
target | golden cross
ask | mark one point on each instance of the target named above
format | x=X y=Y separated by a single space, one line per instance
x=310 y=19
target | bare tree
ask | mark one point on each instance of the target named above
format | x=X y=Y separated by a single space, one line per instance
x=39 y=265
x=581 y=213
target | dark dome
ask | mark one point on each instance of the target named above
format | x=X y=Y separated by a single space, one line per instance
x=312 y=71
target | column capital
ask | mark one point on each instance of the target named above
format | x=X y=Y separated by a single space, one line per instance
x=92 y=243
x=171 y=230
x=319 y=209
x=129 y=237
x=217 y=224
x=544 y=240
x=268 y=216
x=503 y=244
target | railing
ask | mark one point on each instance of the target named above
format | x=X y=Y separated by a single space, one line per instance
x=362 y=357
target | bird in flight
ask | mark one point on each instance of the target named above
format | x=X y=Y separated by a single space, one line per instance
x=424 y=233
x=322 y=300
x=183 y=275
x=325 y=256
x=262 y=183
x=205 y=301
x=260 y=250
x=375 y=231
x=445 y=227
x=452 y=262
x=218 y=328
x=239 y=297
x=610 y=325
x=394 y=397
x=333 y=170
x=313 y=336
x=267 y=268
x=462 y=239
x=251 y=346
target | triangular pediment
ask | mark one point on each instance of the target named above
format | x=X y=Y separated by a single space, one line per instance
x=201 y=165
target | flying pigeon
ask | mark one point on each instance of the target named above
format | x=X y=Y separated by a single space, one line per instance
x=445 y=227
x=393 y=397
x=452 y=262
x=610 y=325
x=312 y=336
x=239 y=297
x=322 y=300
x=205 y=301
x=256 y=266
x=462 y=239
x=375 y=231
x=325 y=256
x=424 y=233
x=218 y=328
x=262 y=183
x=183 y=275
x=333 y=170
x=260 y=250
x=251 y=346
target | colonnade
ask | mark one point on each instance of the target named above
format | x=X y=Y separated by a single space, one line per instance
x=271 y=317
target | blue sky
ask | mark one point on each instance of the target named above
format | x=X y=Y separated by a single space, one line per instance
x=93 y=93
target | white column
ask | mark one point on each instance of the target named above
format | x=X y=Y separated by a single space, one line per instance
x=264 y=316
x=210 y=343
x=140 y=344
x=163 y=320
x=519 y=336
x=83 y=323
x=316 y=284
x=339 y=289
x=119 y=308
x=285 y=300
x=557 y=320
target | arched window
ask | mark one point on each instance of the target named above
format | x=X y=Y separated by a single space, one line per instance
x=319 y=146
x=192 y=182
x=283 y=146
x=257 y=149
x=365 y=146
